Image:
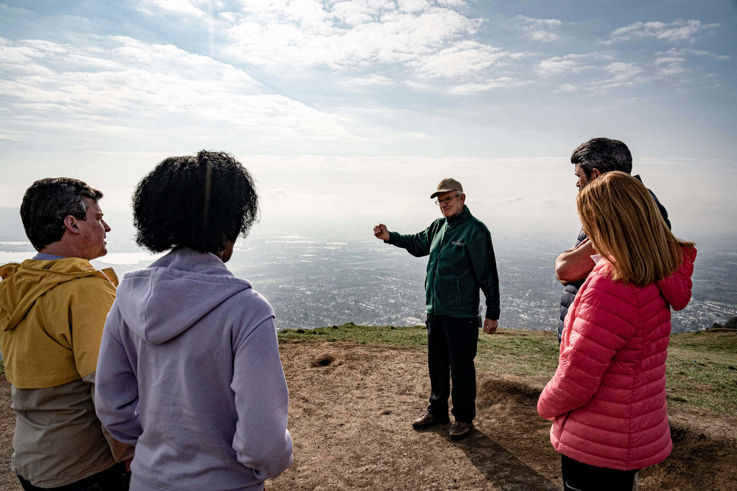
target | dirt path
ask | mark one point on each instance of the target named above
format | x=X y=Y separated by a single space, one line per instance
x=350 y=410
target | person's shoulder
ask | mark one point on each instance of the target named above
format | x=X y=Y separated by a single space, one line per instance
x=96 y=288
x=479 y=224
x=600 y=281
x=74 y=272
x=86 y=296
x=601 y=275
x=9 y=269
x=438 y=222
x=435 y=226
x=477 y=227
x=248 y=311
x=251 y=301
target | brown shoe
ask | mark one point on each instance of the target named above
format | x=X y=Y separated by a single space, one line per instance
x=428 y=419
x=459 y=429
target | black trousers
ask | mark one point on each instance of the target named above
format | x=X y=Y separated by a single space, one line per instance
x=115 y=478
x=451 y=348
x=578 y=476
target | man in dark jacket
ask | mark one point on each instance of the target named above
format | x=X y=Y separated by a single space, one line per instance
x=461 y=262
x=591 y=159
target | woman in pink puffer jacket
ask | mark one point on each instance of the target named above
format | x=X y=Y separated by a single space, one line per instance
x=607 y=397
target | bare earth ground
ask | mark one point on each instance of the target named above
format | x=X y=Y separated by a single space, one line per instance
x=350 y=412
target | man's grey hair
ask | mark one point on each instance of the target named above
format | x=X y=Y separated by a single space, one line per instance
x=603 y=154
x=47 y=202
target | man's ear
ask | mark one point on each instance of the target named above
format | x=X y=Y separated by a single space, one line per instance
x=595 y=173
x=70 y=224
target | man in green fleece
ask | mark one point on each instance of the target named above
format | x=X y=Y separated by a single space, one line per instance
x=461 y=262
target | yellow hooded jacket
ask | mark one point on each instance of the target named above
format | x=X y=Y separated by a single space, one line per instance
x=51 y=318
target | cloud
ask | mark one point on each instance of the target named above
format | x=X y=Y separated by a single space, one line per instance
x=414 y=40
x=490 y=84
x=621 y=73
x=566 y=87
x=188 y=7
x=540 y=29
x=674 y=32
x=452 y=3
x=605 y=70
x=669 y=66
x=673 y=61
x=543 y=36
x=346 y=36
x=601 y=71
x=570 y=63
x=593 y=72
x=683 y=52
x=537 y=22
x=372 y=80
x=460 y=60
x=117 y=85
x=417 y=39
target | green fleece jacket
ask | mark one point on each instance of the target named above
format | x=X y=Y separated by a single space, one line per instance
x=461 y=262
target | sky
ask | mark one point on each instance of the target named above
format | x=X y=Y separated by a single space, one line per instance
x=348 y=113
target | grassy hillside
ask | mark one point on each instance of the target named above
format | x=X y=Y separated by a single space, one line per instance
x=702 y=366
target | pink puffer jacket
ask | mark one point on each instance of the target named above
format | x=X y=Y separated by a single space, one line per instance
x=608 y=394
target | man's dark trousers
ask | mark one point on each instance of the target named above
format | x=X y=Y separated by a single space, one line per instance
x=451 y=348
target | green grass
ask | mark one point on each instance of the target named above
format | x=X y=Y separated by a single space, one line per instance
x=409 y=337
x=701 y=371
x=510 y=351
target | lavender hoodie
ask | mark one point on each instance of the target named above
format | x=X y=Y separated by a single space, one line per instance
x=189 y=372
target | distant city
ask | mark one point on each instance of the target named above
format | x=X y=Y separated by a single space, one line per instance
x=313 y=284
x=320 y=283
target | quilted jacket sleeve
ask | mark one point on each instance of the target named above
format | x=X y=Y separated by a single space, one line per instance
x=602 y=323
x=676 y=288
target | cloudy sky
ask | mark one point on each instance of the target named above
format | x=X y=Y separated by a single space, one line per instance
x=349 y=112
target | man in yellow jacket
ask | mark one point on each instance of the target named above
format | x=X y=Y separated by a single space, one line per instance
x=52 y=312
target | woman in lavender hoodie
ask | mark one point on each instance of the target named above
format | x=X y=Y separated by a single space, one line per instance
x=189 y=369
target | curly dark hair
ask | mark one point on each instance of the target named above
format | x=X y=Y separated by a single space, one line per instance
x=603 y=154
x=199 y=202
x=47 y=202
